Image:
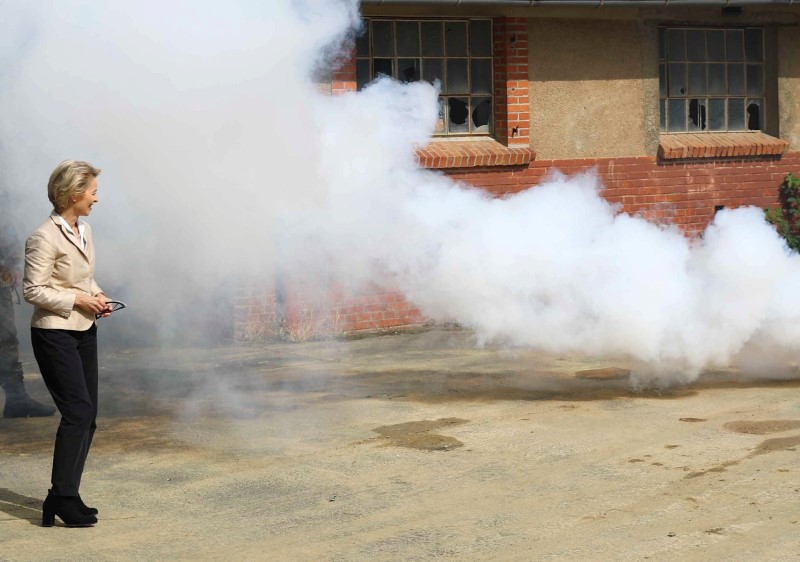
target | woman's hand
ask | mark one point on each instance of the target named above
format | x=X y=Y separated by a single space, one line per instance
x=94 y=305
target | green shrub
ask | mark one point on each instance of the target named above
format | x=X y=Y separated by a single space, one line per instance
x=786 y=218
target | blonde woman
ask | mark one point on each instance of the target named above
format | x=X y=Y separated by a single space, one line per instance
x=59 y=282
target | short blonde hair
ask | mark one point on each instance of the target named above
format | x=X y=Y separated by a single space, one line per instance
x=70 y=178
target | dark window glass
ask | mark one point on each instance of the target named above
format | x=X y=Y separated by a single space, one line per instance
x=407 y=38
x=458 y=115
x=663 y=121
x=736 y=114
x=457 y=82
x=481 y=74
x=662 y=43
x=408 y=70
x=755 y=79
x=382 y=67
x=363 y=75
x=676 y=44
x=736 y=79
x=716 y=114
x=754 y=122
x=432 y=70
x=715 y=44
x=697 y=79
x=696 y=45
x=662 y=80
x=697 y=114
x=754 y=45
x=717 y=85
x=734 y=39
x=480 y=38
x=481 y=114
x=362 y=40
x=432 y=39
x=455 y=33
x=677 y=115
x=382 y=39
x=677 y=79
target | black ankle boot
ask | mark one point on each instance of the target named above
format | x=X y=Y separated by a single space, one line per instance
x=85 y=509
x=23 y=406
x=68 y=510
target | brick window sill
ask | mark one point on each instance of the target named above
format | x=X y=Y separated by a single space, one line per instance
x=719 y=145
x=442 y=154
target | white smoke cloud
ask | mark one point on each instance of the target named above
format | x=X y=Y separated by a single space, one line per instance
x=223 y=160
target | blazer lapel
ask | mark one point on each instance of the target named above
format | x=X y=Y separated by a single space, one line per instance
x=74 y=240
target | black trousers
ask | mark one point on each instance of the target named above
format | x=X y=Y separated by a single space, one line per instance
x=68 y=362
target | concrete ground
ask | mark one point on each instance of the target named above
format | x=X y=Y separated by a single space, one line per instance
x=412 y=447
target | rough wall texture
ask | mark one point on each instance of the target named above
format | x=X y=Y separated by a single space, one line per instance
x=586 y=88
x=789 y=84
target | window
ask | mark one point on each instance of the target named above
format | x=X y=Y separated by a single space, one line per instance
x=455 y=53
x=711 y=79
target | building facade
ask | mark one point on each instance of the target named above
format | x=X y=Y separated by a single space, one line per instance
x=683 y=108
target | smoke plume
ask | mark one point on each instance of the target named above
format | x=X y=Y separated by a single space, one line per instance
x=223 y=160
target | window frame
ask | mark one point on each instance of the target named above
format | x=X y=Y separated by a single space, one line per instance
x=365 y=62
x=697 y=114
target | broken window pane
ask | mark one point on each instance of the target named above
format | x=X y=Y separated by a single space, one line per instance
x=696 y=45
x=677 y=79
x=407 y=38
x=363 y=75
x=432 y=39
x=362 y=40
x=755 y=79
x=754 y=44
x=677 y=115
x=455 y=33
x=734 y=39
x=440 y=119
x=457 y=113
x=754 y=122
x=457 y=76
x=736 y=79
x=697 y=114
x=432 y=70
x=481 y=76
x=716 y=80
x=716 y=114
x=480 y=38
x=382 y=39
x=697 y=79
x=715 y=45
x=481 y=114
x=382 y=67
x=662 y=126
x=676 y=45
x=736 y=114
x=408 y=70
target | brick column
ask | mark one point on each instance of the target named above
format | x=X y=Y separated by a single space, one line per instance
x=343 y=78
x=512 y=109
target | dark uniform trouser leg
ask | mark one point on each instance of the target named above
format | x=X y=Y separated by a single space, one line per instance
x=68 y=362
x=10 y=369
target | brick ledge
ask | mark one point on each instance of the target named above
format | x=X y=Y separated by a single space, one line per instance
x=472 y=154
x=718 y=145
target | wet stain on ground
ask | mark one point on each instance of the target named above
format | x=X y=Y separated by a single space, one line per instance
x=762 y=427
x=608 y=373
x=691 y=420
x=767 y=446
x=419 y=434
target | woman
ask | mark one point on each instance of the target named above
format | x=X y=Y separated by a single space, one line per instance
x=59 y=282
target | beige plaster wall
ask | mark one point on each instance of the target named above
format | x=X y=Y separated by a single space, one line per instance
x=789 y=85
x=587 y=91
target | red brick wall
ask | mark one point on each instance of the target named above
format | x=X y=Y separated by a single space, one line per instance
x=683 y=193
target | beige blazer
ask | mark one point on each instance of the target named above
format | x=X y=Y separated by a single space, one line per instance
x=56 y=269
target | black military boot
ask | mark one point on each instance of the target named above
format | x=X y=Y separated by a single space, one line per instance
x=18 y=403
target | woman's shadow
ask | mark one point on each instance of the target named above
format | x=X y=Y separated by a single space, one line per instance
x=21 y=507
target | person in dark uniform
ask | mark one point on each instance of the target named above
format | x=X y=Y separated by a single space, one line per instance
x=18 y=403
